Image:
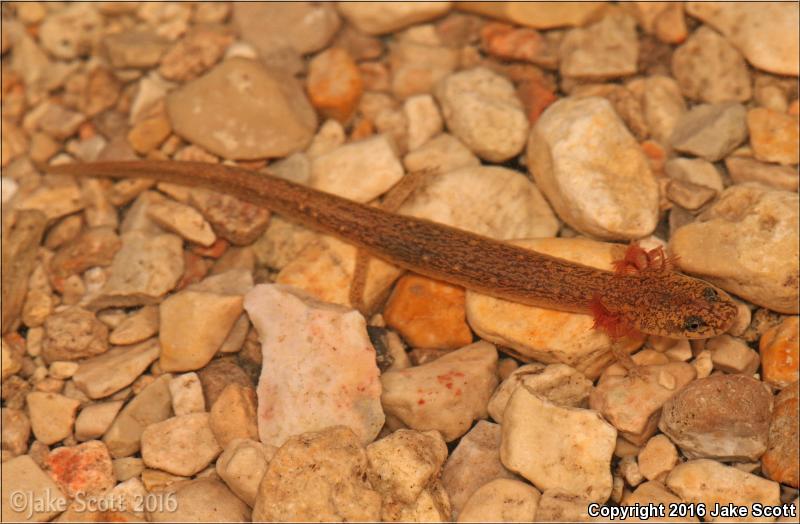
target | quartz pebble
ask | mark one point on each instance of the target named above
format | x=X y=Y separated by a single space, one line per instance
x=243 y=129
x=447 y=394
x=780 y=351
x=605 y=49
x=742 y=169
x=375 y=19
x=140 y=326
x=558 y=447
x=767 y=35
x=710 y=131
x=780 y=461
x=428 y=313
x=547 y=335
x=52 y=416
x=187 y=394
x=23 y=475
x=346 y=388
x=183 y=220
x=202 y=500
x=95 y=419
x=418 y=65
x=657 y=458
x=773 y=135
x=424 y=120
x=732 y=355
x=558 y=383
x=134 y=49
x=474 y=462
x=306 y=27
x=234 y=414
x=695 y=171
x=193 y=55
x=557 y=14
x=341 y=171
x=181 y=445
x=709 y=482
x=501 y=500
x=16 y=430
x=402 y=466
x=102 y=376
x=725 y=417
x=632 y=404
x=242 y=466
x=334 y=462
x=482 y=110
x=709 y=69
x=441 y=154
x=55 y=197
x=575 y=179
x=713 y=247
x=84 y=469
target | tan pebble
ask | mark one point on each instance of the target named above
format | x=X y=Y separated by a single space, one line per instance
x=773 y=135
x=780 y=352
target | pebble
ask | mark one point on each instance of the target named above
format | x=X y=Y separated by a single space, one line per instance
x=418 y=66
x=375 y=19
x=556 y=383
x=134 y=49
x=428 y=313
x=180 y=445
x=725 y=417
x=657 y=458
x=559 y=505
x=71 y=32
x=528 y=14
x=72 y=334
x=665 y=20
x=194 y=54
x=780 y=352
x=439 y=155
x=547 y=335
x=402 y=466
x=710 y=131
x=334 y=84
x=202 y=500
x=144 y=269
x=742 y=169
x=709 y=69
x=242 y=466
x=606 y=49
x=709 y=482
x=149 y=133
x=773 y=135
x=95 y=419
x=502 y=500
x=306 y=27
x=549 y=446
x=341 y=171
x=23 y=475
x=474 y=462
x=767 y=35
x=219 y=374
x=345 y=389
x=106 y=374
x=481 y=109
x=52 y=416
x=243 y=128
x=656 y=493
x=11 y=361
x=575 y=179
x=732 y=355
x=183 y=220
x=234 y=220
x=234 y=414
x=781 y=462
x=55 y=197
x=424 y=120
x=513 y=43
x=153 y=404
x=695 y=171
x=92 y=248
x=187 y=394
x=140 y=326
x=633 y=404
x=84 y=469
x=447 y=394
x=487 y=200
x=16 y=430
x=739 y=216
x=189 y=342
x=331 y=460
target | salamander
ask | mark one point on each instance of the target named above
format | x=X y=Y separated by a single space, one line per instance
x=644 y=294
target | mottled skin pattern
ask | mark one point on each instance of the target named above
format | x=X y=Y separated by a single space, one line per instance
x=653 y=301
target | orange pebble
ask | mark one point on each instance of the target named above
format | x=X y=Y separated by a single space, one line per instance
x=334 y=84
x=780 y=352
x=428 y=313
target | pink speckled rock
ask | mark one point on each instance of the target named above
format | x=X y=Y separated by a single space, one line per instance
x=318 y=366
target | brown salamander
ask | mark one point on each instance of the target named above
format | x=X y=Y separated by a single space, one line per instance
x=644 y=294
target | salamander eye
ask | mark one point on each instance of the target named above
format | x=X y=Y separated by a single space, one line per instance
x=710 y=294
x=693 y=324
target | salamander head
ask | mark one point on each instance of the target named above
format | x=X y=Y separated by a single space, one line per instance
x=665 y=304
